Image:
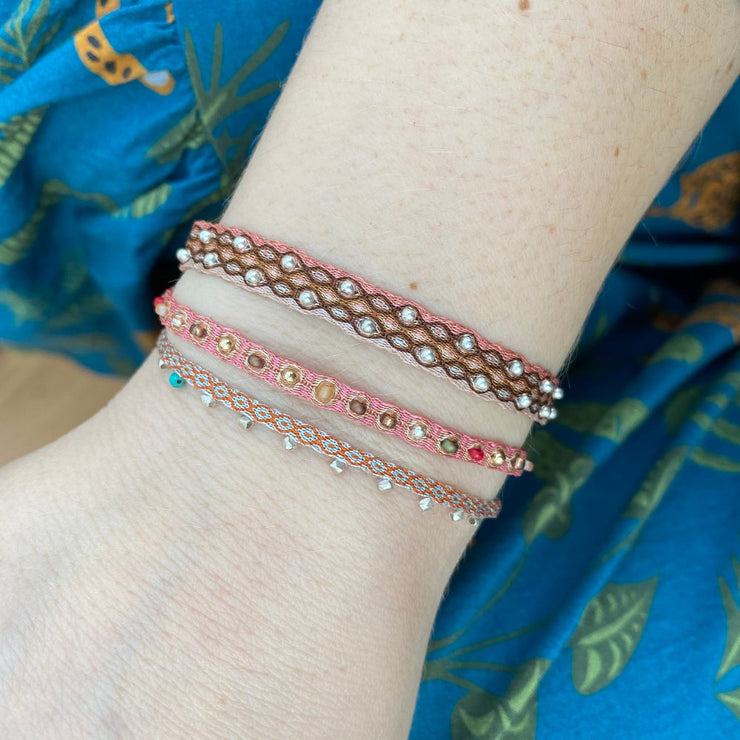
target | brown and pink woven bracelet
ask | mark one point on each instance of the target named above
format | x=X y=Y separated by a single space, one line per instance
x=420 y=337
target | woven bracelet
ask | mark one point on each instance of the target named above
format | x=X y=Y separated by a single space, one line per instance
x=421 y=338
x=287 y=375
x=344 y=455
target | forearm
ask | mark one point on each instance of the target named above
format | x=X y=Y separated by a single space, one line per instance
x=491 y=162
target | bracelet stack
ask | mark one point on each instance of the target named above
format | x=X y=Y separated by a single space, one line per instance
x=420 y=337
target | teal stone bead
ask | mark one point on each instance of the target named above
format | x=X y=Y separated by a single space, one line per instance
x=176 y=380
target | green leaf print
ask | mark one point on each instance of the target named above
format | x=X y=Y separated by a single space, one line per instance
x=16 y=246
x=16 y=136
x=608 y=633
x=680 y=347
x=717 y=462
x=216 y=103
x=146 y=203
x=731 y=699
x=615 y=421
x=731 y=657
x=564 y=471
x=653 y=488
x=482 y=715
x=681 y=405
x=19 y=37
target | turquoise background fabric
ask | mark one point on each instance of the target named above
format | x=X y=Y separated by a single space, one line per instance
x=605 y=601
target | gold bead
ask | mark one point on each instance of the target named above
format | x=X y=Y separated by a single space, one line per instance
x=388 y=420
x=256 y=362
x=289 y=376
x=497 y=458
x=226 y=344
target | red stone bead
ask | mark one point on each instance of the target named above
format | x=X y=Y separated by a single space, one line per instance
x=476 y=454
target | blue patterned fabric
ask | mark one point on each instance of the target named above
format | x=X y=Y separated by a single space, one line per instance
x=605 y=601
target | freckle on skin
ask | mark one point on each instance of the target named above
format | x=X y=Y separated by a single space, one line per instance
x=616 y=152
x=686 y=8
x=413 y=285
x=730 y=65
x=524 y=5
x=551 y=228
x=643 y=74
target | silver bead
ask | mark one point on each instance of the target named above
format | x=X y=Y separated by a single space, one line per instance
x=408 y=315
x=162 y=364
x=426 y=503
x=457 y=515
x=307 y=299
x=426 y=355
x=524 y=401
x=481 y=383
x=254 y=276
x=347 y=288
x=207 y=400
x=338 y=465
x=182 y=254
x=246 y=421
x=205 y=236
x=290 y=442
x=545 y=412
x=367 y=327
x=385 y=484
x=547 y=386
x=418 y=431
x=553 y=413
x=558 y=393
x=288 y=262
x=210 y=259
x=473 y=521
x=240 y=244
x=515 y=368
x=161 y=309
x=466 y=343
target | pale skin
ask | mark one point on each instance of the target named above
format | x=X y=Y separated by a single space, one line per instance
x=163 y=576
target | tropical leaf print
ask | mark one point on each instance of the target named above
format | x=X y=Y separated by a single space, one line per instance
x=608 y=633
x=653 y=488
x=147 y=203
x=16 y=246
x=731 y=657
x=681 y=348
x=613 y=421
x=481 y=715
x=16 y=136
x=565 y=471
x=20 y=39
x=215 y=103
x=731 y=699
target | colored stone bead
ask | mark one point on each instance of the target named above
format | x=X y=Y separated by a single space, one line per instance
x=254 y=277
x=408 y=315
x=357 y=406
x=176 y=380
x=547 y=386
x=325 y=392
x=367 y=327
x=256 y=361
x=388 y=420
x=476 y=454
x=308 y=299
x=524 y=401
x=385 y=484
x=205 y=236
x=515 y=368
x=466 y=343
x=426 y=503
x=338 y=465
x=183 y=255
x=198 y=330
x=426 y=355
x=210 y=259
x=449 y=445
x=457 y=515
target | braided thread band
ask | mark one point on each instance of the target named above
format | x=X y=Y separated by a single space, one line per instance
x=297 y=432
x=232 y=347
x=421 y=338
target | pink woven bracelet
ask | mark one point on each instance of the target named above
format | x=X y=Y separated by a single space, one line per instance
x=295 y=432
x=421 y=338
x=233 y=347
